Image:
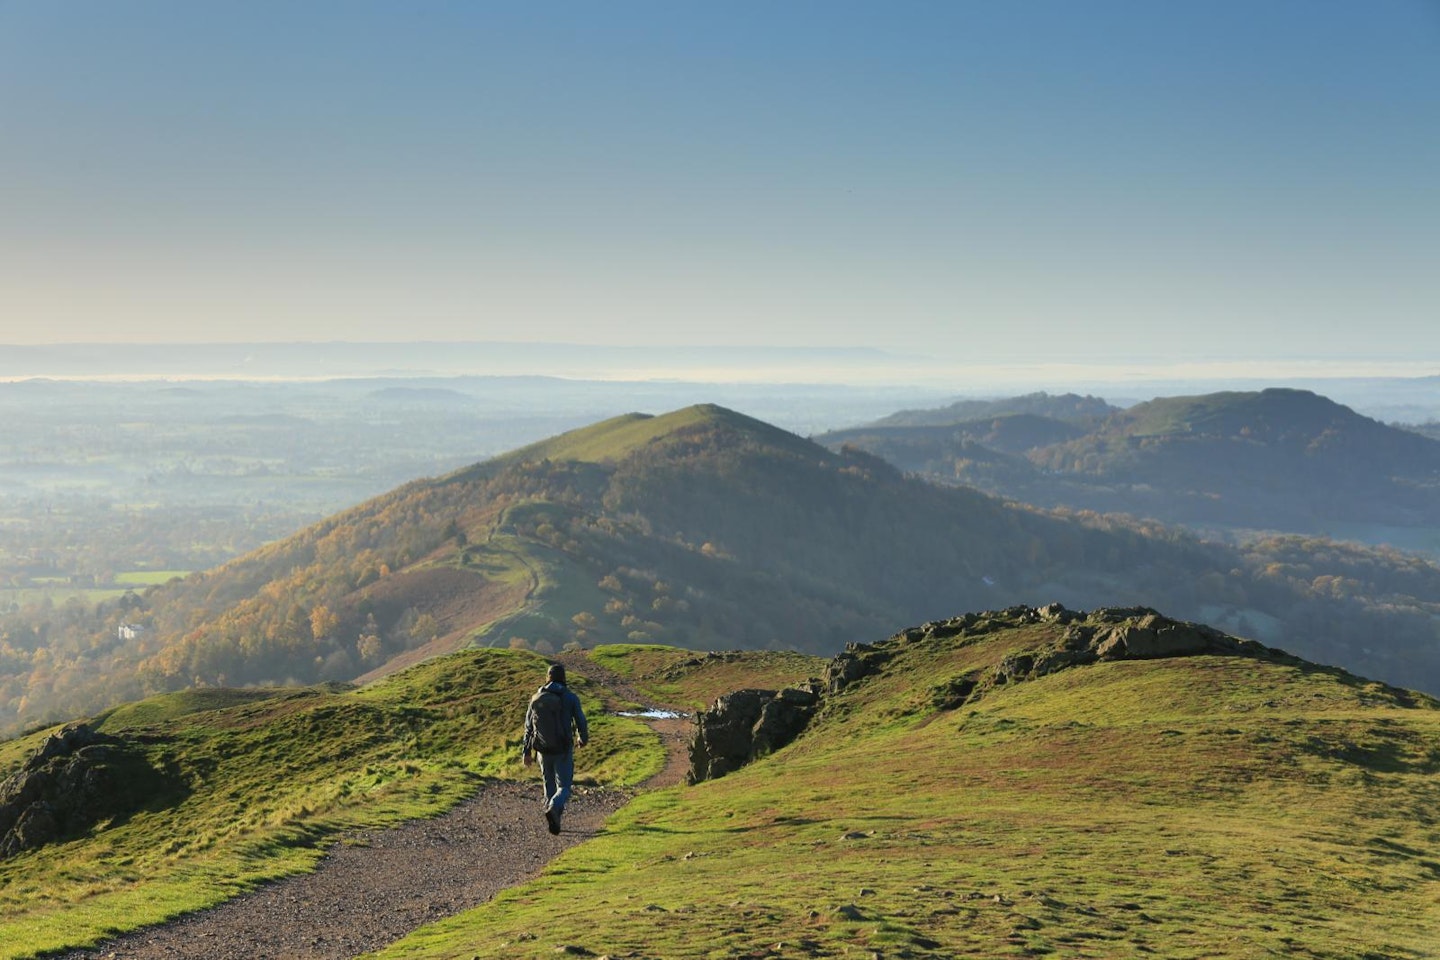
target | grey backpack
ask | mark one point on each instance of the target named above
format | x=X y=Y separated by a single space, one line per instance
x=551 y=729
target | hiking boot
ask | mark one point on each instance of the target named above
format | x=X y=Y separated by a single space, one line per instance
x=553 y=820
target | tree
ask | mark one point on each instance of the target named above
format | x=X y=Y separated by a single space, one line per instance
x=370 y=648
x=426 y=629
x=322 y=621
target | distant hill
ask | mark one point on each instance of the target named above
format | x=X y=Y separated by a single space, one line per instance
x=1067 y=408
x=1285 y=460
x=1278 y=458
x=707 y=529
x=1001 y=442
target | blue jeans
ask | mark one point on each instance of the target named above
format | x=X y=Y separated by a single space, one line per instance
x=559 y=772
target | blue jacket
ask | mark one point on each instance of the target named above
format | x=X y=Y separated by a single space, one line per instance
x=575 y=714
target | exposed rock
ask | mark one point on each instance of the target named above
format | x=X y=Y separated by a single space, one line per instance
x=857 y=661
x=1113 y=633
x=1155 y=636
x=76 y=779
x=744 y=725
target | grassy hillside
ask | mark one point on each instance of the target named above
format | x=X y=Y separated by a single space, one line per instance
x=1249 y=805
x=704 y=529
x=614 y=439
x=256 y=782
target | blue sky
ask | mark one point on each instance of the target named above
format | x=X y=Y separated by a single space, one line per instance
x=999 y=182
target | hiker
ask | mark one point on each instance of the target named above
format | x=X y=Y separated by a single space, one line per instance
x=551 y=720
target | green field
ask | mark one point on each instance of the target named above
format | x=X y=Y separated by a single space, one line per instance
x=147 y=578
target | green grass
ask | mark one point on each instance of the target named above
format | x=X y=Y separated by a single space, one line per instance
x=264 y=779
x=172 y=706
x=1194 y=807
x=146 y=578
x=616 y=438
x=689 y=680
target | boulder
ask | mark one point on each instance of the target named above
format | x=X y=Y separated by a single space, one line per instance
x=1153 y=636
x=74 y=780
x=744 y=725
x=857 y=661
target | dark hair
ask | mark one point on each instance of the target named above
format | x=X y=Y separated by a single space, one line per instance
x=556 y=672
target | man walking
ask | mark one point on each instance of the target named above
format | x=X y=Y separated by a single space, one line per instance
x=551 y=720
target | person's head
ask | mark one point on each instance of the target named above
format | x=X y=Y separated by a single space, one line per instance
x=556 y=674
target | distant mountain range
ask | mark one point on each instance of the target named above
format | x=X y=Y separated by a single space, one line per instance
x=1283 y=460
x=708 y=529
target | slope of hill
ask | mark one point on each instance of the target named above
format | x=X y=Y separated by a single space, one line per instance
x=710 y=530
x=968 y=794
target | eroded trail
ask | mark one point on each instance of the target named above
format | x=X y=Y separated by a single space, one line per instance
x=377 y=887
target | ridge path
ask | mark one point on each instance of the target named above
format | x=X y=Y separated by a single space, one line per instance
x=375 y=887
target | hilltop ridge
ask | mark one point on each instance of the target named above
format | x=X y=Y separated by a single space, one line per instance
x=618 y=437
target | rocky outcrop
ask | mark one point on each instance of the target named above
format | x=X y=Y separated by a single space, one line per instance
x=744 y=725
x=747 y=724
x=75 y=780
x=1112 y=633
x=857 y=661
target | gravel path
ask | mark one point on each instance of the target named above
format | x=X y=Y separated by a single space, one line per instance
x=379 y=886
x=376 y=887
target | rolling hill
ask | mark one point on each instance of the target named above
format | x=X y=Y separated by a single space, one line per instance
x=1066 y=408
x=1280 y=460
x=1017 y=782
x=707 y=529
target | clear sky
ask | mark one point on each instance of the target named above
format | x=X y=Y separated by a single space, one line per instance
x=988 y=181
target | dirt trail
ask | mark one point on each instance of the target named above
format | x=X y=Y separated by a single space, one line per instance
x=379 y=886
